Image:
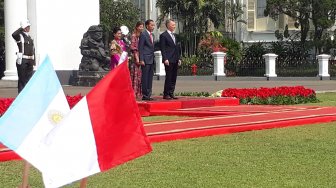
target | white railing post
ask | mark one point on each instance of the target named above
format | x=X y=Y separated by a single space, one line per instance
x=219 y=63
x=159 y=69
x=323 y=61
x=270 y=65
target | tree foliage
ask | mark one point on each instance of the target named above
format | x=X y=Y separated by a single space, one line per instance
x=2 y=39
x=234 y=11
x=117 y=13
x=2 y=21
x=321 y=13
x=299 y=10
x=2 y=13
x=193 y=18
x=193 y=14
x=323 y=17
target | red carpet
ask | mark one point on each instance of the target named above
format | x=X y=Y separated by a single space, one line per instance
x=215 y=116
x=6 y=154
x=147 y=108
x=241 y=118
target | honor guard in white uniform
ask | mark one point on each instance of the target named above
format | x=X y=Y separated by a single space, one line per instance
x=26 y=55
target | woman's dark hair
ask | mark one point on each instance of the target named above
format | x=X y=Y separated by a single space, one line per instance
x=138 y=24
x=115 y=30
x=137 y=33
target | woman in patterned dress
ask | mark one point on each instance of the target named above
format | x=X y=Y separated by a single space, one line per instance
x=135 y=66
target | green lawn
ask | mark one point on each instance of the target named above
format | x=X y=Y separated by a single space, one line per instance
x=327 y=99
x=302 y=156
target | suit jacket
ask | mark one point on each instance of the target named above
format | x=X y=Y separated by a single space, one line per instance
x=146 y=48
x=170 y=51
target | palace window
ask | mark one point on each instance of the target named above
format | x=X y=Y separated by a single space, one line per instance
x=261 y=6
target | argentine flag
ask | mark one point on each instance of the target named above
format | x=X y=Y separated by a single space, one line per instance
x=102 y=131
x=36 y=111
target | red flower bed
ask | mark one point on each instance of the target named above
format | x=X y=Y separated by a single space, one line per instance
x=276 y=95
x=73 y=100
x=6 y=102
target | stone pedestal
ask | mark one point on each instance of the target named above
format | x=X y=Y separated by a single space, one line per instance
x=270 y=65
x=88 y=78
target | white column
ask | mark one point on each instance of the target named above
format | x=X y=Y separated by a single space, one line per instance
x=270 y=64
x=219 y=63
x=159 y=69
x=31 y=12
x=15 y=11
x=323 y=61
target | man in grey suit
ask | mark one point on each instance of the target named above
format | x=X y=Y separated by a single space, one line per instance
x=171 y=57
x=146 y=57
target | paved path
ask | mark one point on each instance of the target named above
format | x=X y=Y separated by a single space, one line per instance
x=9 y=88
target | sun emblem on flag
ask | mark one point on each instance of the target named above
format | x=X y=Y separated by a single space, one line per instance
x=55 y=116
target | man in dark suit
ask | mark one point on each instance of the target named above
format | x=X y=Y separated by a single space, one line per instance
x=146 y=58
x=171 y=54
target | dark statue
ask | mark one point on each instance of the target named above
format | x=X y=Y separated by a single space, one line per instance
x=95 y=57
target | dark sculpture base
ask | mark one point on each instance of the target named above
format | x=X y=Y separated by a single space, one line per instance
x=88 y=78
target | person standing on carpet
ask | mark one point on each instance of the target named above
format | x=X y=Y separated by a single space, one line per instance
x=117 y=48
x=171 y=54
x=25 y=61
x=146 y=58
x=135 y=66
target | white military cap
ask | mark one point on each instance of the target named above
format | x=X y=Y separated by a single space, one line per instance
x=24 y=24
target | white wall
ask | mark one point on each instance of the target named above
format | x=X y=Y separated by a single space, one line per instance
x=58 y=27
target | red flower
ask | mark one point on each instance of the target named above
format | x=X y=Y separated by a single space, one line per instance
x=263 y=95
x=211 y=43
x=73 y=100
x=6 y=102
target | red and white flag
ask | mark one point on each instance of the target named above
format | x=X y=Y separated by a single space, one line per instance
x=102 y=131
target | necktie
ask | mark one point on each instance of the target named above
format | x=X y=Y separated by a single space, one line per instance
x=173 y=37
x=151 y=37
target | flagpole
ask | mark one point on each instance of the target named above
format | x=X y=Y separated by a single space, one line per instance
x=25 y=175
x=83 y=183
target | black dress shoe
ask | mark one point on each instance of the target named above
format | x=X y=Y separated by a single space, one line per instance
x=167 y=97
x=148 y=99
x=173 y=97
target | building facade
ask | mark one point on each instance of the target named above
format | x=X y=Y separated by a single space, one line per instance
x=259 y=27
x=56 y=30
x=148 y=11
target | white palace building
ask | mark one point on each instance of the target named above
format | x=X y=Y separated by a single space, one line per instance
x=57 y=27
